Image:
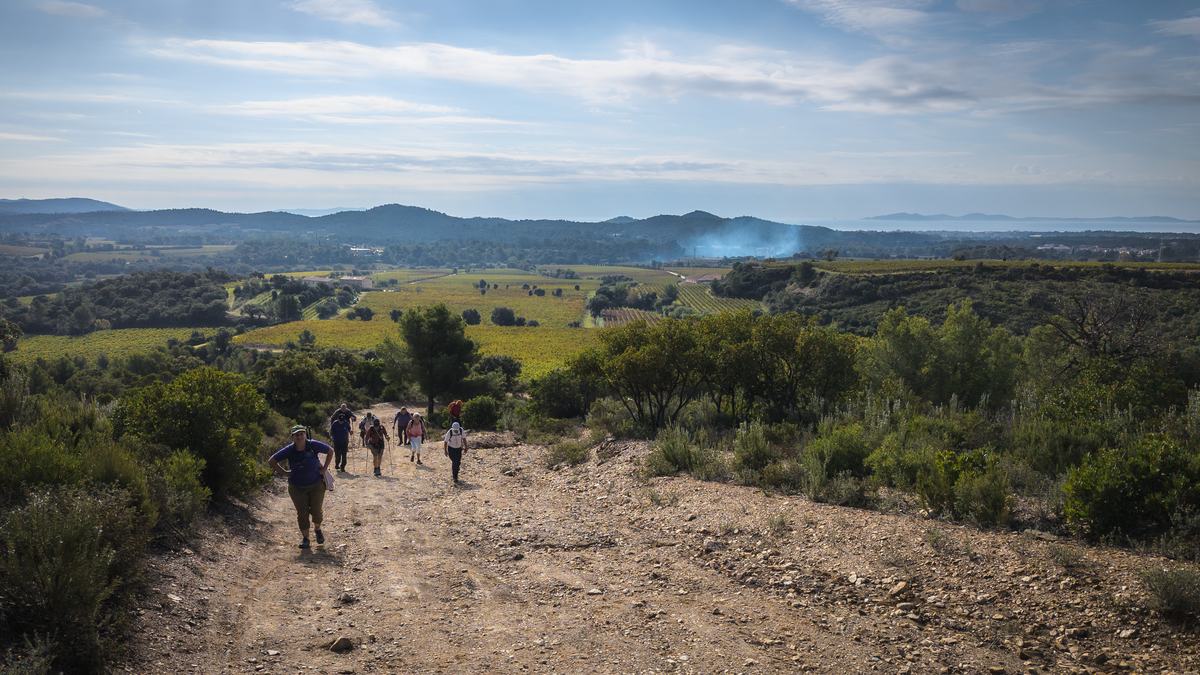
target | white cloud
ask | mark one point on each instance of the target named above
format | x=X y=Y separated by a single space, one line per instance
x=77 y=10
x=363 y=12
x=358 y=110
x=10 y=136
x=978 y=82
x=1185 y=27
x=880 y=18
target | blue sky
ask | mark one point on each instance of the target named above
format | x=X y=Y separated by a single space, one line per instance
x=787 y=109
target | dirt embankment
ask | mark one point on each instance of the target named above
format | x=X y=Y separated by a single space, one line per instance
x=592 y=569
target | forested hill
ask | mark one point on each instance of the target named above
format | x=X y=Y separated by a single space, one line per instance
x=56 y=206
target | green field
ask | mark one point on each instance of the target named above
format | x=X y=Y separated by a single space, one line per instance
x=700 y=298
x=539 y=349
x=115 y=342
x=641 y=275
x=405 y=276
x=150 y=253
x=460 y=292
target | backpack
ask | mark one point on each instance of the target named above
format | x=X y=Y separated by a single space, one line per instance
x=453 y=434
x=374 y=437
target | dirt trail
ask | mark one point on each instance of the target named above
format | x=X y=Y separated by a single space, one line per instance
x=590 y=569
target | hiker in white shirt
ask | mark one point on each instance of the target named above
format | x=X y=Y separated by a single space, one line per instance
x=454 y=444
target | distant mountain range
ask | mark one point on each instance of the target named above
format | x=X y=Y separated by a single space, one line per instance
x=995 y=217
x=66 y=205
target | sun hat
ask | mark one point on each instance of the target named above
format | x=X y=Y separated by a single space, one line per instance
x=297 y=429
x=456 y=425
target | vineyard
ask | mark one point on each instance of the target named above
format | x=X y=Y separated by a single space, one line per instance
x=407 y=276
x=624 y=315
x=20 y=251
x=114 y=342
x=700 y=298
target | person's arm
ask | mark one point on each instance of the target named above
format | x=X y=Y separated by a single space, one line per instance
x=328 y=456
x=275 y=466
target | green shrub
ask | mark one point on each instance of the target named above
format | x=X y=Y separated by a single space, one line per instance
x=898 y=460
x=481 y=412
x=674 y=451
x=752 y=452
x=559 y=393
x=178 y=492
x=109 y=463
x=936 y=479
x=1175 y=593
x=1133 y=491
x=32 y=459
x=843 y=449
x=607 y=417
x=67 y=561
x=982 y=497
x=569 y=453
x=787 y=475
x=1054 y=446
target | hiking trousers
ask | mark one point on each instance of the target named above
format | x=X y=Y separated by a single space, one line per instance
x=340 y=451
x=309 y=500
x=455 y=460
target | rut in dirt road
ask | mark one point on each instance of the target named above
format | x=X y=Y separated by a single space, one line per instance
x=591 y=569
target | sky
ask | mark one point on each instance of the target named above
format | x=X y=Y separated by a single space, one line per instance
x=793 y=110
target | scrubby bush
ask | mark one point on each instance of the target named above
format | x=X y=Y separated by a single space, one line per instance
x=471 y=317
x=568 y=452
x=481 y=412
x=1134 y=490
x=1175 y=593
x=67 y=558
x=607 y=417
x=982 y=496
x=841 y=449
x=752 y=452
x=177 y=491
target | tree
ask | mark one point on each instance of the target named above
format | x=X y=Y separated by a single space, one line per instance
x=654 y=369
x=507 y=366
x=395 y=315
x=307 y=339
x=327 y=308
x=471 y=317
x=504 y=316
x=211 y=414
x=287 y=308
x=296 y=378
x=9 y=334
x=436 y=352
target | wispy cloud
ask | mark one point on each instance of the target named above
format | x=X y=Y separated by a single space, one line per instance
x=880 y=18
x=362 y=12
x=886 y=85
x=79 y=10
x=10 y=136
x=359 y=110
x=1185 y=27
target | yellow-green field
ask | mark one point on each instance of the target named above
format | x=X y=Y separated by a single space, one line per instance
x=639 y=274
x=694 y=272
x=460 y=292
x=405 y=276
x=539 y=349
x=115 y=342
x=129 y=255
x=700 y=298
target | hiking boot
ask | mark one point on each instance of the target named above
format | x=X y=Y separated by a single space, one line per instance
x=410 y=457
x=418 y=460
x=378 y=473
x=320 y=537
x=304 y=543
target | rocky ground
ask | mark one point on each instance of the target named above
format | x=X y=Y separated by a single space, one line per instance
x=594 y=569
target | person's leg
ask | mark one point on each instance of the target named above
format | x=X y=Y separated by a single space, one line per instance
x=417 y=444
x=455 y=462
x=300 y=501
x=316 y=507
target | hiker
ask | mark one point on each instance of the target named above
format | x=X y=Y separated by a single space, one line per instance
x=363 y=426
x=339 y=432
x=376 y=438
x=400 y=423
x=455 y=410
x=454 y=444
x=416 y=432
x=306 y=479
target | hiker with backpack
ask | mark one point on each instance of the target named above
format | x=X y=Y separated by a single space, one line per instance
x=306 y=479
x=339 y=432
x=416 y=433
x=454 y=444
x=376 y=438
x=363 y=426
x=455 y=410
x=400 y=423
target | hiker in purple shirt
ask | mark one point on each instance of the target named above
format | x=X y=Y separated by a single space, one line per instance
x=306 y=478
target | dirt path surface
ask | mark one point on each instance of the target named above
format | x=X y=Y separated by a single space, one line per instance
x=593 y=569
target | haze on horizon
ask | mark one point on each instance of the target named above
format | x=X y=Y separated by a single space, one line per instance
x=783 y=109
